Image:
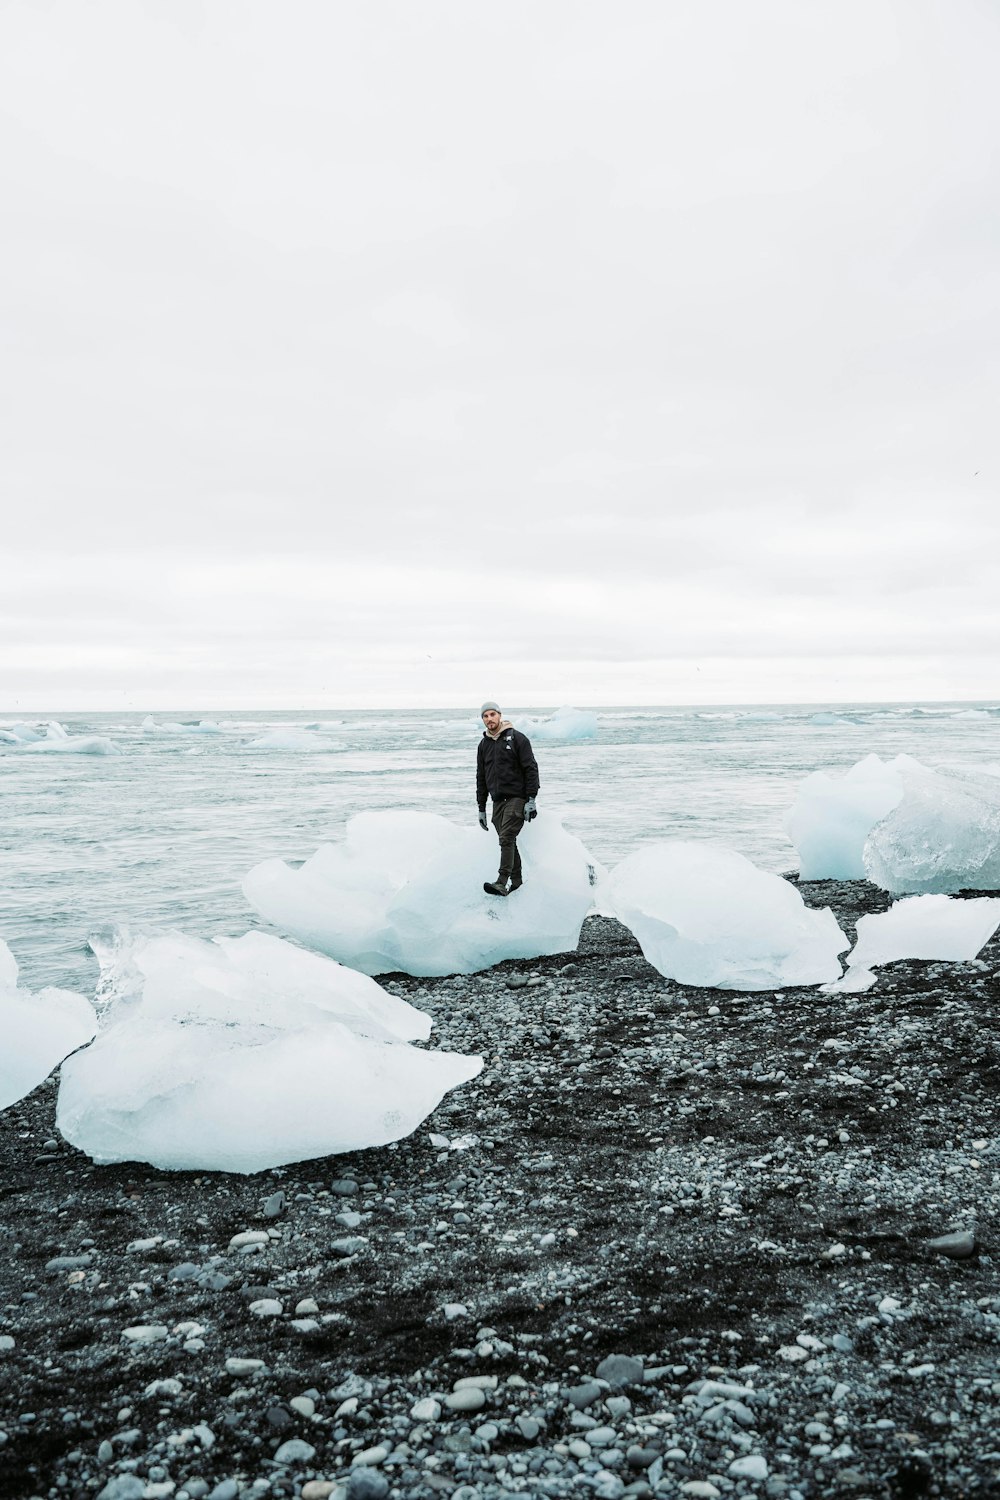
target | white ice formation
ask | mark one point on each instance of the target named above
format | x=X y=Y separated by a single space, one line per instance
x=705 y=915
x=942 y=836
x=564 y=724
x=19 y=734
x=244 y=1054
x=57 y=742
x=173 y=728
x=38 y=1031
x=298 y=740
x=929 y=927
x=404 y=891
x=833 y=816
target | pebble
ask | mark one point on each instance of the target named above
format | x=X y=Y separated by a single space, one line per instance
x=751 y=1467
x=344 y=1187
x=266 y=1307
x=145 y=1333
x=470 y=1398
x=454 y=1310
x=620 y=1369
x=351 y=1245
x=274 y=1206
x=317 y=1489
x=249 y=1237
x=702 y=1489
x=6 y=1343
x=244 y=1366
x=304 y=1405
x=371 y=1457
x=367 y=1484
x=69 y=1263
x=123 y=1487
x=295 y=1451
x=957 y=1246
x=226 y=1489
x=583 y=1395
x=306 y=1307
x=427 y=1410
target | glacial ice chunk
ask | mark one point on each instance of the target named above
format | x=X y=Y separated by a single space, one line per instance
x=932 y=927
x=19 y=734
x=404 y=891
x=942 y=836
x=245 y=1054
x=564 y=724
x=299 y=740
x=58 y=742
x=172 y=727
x=38 y=1031
x=705 y=915
x=833 y=816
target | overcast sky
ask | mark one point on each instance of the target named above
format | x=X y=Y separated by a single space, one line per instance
x=375 y=353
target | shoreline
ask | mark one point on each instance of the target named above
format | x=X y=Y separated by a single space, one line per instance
x=655 y=1171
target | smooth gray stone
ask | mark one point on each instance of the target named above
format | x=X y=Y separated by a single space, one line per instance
x=367 y=1484
x=186 y=1271
x=344 y=1187
x=123 y=1487
x=583 y=1395
x=226 y=1489
x=352 y=1245
x=620 y=1369
x=957 y=1246
x=70 y=1263
x=274 y=1206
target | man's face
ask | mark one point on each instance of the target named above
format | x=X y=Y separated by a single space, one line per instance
x=492 y=720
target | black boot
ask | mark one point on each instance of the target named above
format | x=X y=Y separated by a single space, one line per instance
x=495 y=887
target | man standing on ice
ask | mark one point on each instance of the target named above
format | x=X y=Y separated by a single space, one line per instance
x=506 y=770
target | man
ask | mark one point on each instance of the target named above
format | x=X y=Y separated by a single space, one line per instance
x=506 y=769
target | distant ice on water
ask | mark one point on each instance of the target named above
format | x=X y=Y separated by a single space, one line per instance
x=404 y=892
x=38 y=1031
x=705 y=915
x=57 y=741
x=244 y=1054
x=298 y=740
x=564 y=724
x=173 y=728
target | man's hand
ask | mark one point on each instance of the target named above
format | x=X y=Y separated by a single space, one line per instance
x=482 y=820
x=530 y=810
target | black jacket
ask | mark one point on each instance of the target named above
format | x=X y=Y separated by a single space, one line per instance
x=505 y=767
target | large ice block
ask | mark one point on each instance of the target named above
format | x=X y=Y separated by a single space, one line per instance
x=404 y=891
x=705 y=915
x=942 y=836
x=244 y=1054
x=564 y=724
x=833 y=816
x=931 y=927
x=38 y=1031
x=58 y=742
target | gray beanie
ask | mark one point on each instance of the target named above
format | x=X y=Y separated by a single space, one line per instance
x=488 y=707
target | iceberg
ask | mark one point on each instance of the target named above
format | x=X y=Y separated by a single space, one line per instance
x=833 y=816
x=704 y=915
x=404 y=892
x=943 y=835
x=931 y=927
x=244 y=1054
x=19 y=734
x=58 y=742
x=205 y=726
x=292 y=739
x=564 y=724
x=38 y=1031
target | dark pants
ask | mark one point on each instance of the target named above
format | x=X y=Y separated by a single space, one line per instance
x=508 y=820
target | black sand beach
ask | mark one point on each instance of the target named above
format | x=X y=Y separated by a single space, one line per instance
x=738 y=1193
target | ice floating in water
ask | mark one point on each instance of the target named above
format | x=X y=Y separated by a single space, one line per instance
x=404 y=891
x=19 y=734
x=565 y=724
x=38 y=1031
x=943 y=835
x=58 y=742
x=833 y=816
x=206 y=726
x=301 y=740
x=931 y=927
x=244 y=1054
x=704 y=915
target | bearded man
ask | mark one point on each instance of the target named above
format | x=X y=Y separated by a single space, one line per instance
x=507 y=772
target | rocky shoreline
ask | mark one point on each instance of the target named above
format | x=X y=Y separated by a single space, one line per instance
x=671 y=1242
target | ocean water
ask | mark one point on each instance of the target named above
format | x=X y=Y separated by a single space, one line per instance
x=162 y=834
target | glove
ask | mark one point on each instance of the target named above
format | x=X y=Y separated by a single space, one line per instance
x=530 y=810
x=482 y=820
